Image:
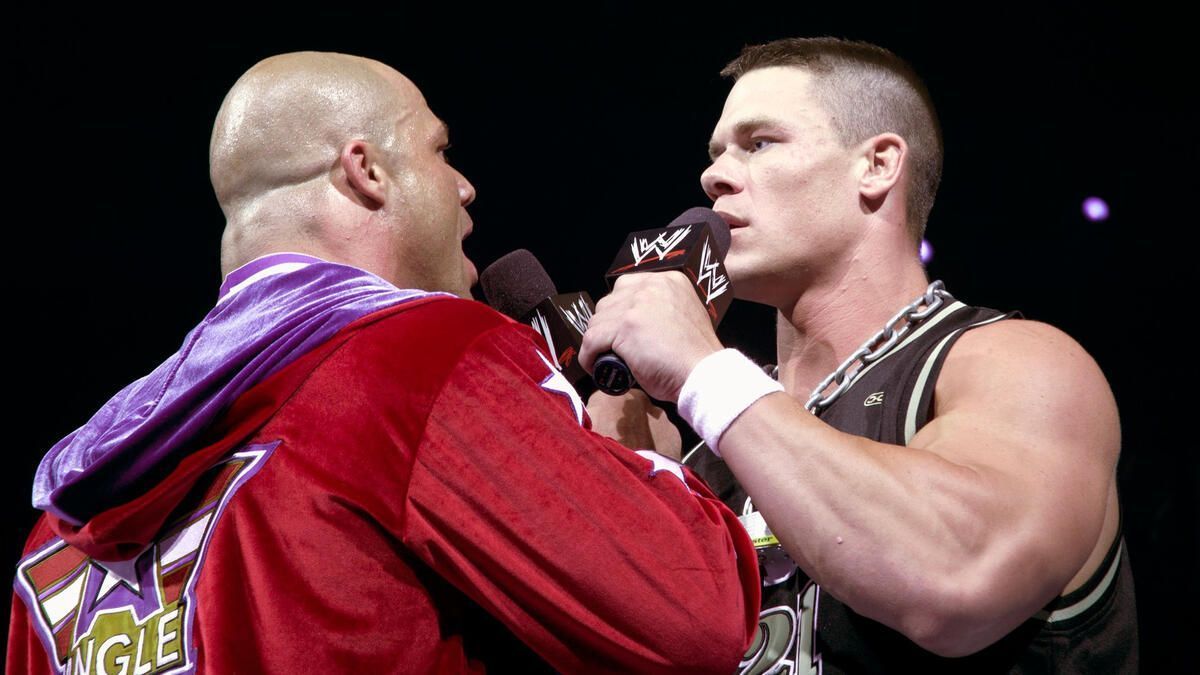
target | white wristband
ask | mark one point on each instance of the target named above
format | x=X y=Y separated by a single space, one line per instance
x=719 y=389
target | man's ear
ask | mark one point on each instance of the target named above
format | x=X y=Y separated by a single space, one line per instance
x=365 y=174
x=883 y=162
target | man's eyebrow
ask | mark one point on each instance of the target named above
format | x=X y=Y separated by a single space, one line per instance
x=742 y=129
x=714 y=149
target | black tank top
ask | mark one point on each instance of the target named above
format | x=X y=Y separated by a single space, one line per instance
x=803 y=629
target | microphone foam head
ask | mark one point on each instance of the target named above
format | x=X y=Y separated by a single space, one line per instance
x=701 y=214
x=516 y=283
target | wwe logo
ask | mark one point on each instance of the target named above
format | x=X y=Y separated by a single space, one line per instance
x=716 y=284
x=661 y=245
x=578 y=315
x=540 y=324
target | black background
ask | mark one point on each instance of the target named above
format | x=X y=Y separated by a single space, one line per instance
x=578 y=125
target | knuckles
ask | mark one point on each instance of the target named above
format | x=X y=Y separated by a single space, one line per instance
x=635 y=310
x=653 y=289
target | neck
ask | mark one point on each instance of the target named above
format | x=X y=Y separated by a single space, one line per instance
x=829 y=321
x=299 y=220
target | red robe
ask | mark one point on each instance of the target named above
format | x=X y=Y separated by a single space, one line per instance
x=351 y=512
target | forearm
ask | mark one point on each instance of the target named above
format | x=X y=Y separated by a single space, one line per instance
x=985 y=514
x=899 y=534
x=634 y=421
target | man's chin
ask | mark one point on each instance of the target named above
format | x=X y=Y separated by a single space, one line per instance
x=751 y=288
x=464 y=289
x=470 y=276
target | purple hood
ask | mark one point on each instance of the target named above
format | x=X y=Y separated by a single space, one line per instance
x=270 y=312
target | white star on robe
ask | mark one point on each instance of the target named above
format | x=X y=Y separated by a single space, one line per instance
x=662 y=463
x=558 y=384
x=119 y=572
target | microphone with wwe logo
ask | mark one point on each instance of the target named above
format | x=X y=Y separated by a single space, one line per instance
x=517 y=286
x=695 y=243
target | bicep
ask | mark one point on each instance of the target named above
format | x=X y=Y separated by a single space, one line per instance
x=1027 y=410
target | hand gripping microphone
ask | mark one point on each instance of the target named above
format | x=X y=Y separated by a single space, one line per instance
x=695 y=243
x=517 y=286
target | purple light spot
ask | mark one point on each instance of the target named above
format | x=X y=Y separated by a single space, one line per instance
x=926 y=252
x=1095 y=209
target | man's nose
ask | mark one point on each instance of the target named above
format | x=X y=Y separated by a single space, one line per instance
x=466 y=191
x=719 y=179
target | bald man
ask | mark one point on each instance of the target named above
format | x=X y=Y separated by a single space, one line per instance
x=351 y=467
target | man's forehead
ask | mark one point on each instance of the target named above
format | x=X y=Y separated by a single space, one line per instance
x=769 y=92
x=778 y=96
x=417 y=113
x=405 y=87
x=421 y=121
x=774 y=79
x=407 y=95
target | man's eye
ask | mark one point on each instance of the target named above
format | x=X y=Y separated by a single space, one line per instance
x=759 y=143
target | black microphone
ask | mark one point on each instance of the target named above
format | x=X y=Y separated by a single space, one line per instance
x=517 y=286
x=695 y=243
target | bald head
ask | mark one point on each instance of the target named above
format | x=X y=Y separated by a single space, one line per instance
x=283 y=121
x=340 y=157
x=279 y=131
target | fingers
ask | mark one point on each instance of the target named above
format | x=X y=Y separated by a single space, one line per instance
x=655 y=322
x=599 y=336
x=606 y=322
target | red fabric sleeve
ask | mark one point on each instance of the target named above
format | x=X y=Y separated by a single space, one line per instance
x=26 y=653
x=594 y=558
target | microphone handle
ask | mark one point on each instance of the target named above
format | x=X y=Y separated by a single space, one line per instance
x=611 y=375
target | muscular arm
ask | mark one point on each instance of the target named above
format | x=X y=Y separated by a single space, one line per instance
x=986 y=516
x=954 y=540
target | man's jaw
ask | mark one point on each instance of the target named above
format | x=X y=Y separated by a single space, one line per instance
x=472 y=273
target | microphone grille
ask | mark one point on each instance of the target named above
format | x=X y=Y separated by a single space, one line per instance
x=516 y=283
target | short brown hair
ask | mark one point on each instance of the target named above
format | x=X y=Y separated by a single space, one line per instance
x=866 y=90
